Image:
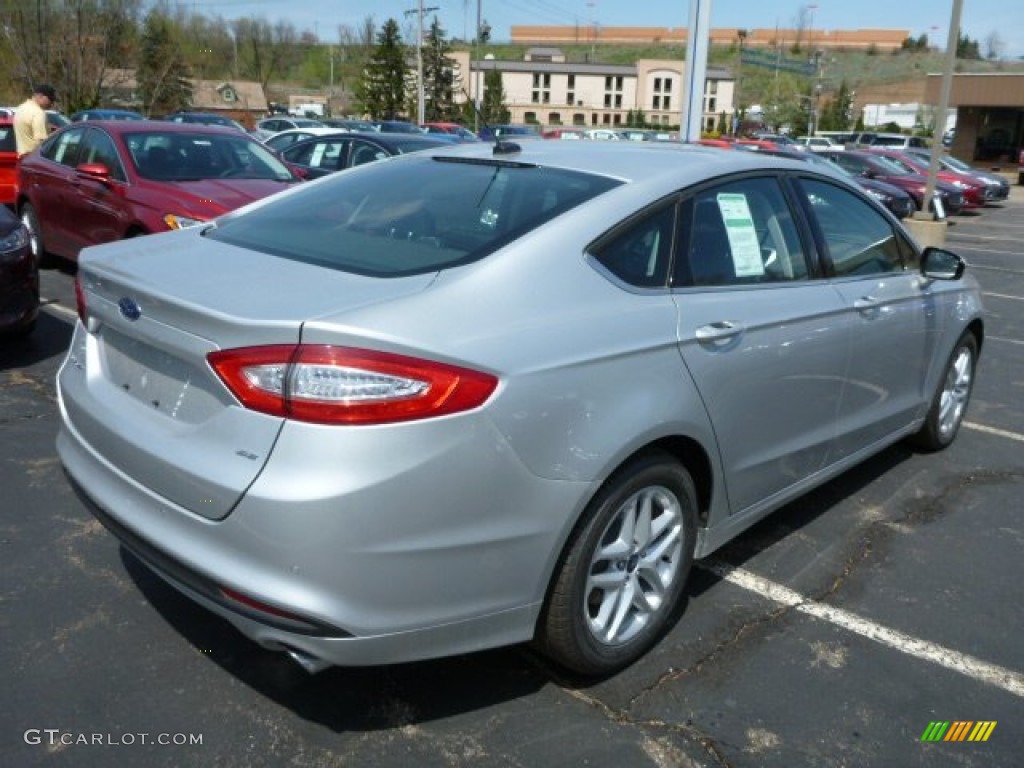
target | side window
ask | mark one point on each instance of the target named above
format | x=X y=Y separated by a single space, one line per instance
x=739 y=233
x=364 y=152
x=852 y=164
x=65 y=149
x=640 y=254
x=859 y=240
x=99 y=148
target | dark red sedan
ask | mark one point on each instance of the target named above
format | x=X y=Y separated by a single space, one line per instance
x=94 y=182
x=972 y=189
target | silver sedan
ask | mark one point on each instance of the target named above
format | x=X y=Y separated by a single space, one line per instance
x=490 y=394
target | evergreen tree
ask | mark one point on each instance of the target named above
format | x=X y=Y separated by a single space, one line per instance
x=385 y=86
x=440 y=80
x=163 y=74
x=967 y=48
x=493 y=108
x=836 y=114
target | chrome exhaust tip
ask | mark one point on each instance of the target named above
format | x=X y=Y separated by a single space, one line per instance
x=307 y=661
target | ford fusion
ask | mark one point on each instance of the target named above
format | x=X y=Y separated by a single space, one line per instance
x=484 y=395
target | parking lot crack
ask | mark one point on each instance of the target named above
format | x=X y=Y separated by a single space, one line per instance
x=917 y=512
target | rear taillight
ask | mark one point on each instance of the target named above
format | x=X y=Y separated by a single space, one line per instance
x=80 y=299
x=341 y=385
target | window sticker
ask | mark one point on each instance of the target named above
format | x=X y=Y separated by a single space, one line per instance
x=739 y=226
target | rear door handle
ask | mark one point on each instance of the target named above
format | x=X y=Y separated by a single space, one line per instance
x=719 y=331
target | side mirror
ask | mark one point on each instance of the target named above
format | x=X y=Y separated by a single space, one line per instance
x=96 y=171
x=940 y=264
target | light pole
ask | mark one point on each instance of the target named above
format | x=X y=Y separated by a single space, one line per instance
x=810 y=31
x=737 y=117
x=420 y=96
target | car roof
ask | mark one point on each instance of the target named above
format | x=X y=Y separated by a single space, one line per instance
x=667 y=163
x=120 y=127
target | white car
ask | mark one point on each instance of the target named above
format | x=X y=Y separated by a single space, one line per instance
x=819 y=143
x=603 y=134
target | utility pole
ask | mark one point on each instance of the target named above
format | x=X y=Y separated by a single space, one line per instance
x=695 y=72
x=420 y=98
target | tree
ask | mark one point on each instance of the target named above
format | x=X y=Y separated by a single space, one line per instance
x=967 y=48
x=162 y=74
x=385 y=85
x=265 y=51
x=440 y=80
x=993 y=46
x=493 y=108
x=916 y=44
x=71 y=44
x=837 y=113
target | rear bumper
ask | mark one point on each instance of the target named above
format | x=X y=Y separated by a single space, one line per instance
x=349 y=582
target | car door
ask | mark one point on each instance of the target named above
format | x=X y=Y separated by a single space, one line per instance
x=760 y=332
x=47 y=183
x=363 y=151
x=319 y=157
x=889 y=307
x=96 y=207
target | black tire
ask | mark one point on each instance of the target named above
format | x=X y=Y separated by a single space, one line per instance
x=951 y=398
x=602 y=576
x=35 y=237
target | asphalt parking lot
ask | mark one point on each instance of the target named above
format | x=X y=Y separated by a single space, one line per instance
x=835 y=633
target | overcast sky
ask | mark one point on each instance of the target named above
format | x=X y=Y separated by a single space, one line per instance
x=981 y=18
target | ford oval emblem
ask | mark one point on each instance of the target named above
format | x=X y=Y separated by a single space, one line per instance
x=129 y=308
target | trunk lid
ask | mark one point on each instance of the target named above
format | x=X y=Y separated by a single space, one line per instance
x=137 y=387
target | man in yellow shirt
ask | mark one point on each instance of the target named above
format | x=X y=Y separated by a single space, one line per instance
x=30 y=119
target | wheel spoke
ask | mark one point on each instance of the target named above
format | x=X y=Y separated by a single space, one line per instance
x=623 y=609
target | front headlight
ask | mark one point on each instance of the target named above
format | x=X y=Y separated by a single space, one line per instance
x=14 y=241
x=961 y=184
x=177 y=221
x=880 y=196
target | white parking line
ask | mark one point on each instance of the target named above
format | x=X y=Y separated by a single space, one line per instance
x=993 y=431
x=60 y=309
x=1003 y=296
x=972 y=265
x=1000 y=338
x=969 y=666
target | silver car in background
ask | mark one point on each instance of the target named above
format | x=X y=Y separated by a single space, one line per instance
x=484 y=395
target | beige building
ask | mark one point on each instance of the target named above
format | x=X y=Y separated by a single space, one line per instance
x=545 y=89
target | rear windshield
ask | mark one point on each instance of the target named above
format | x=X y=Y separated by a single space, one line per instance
x=416 y=215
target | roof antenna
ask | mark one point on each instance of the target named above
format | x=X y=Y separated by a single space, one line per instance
x=501 y=147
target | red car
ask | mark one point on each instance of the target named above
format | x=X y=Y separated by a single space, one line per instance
x=94 y=182
x=8 y=162
x=972 y=189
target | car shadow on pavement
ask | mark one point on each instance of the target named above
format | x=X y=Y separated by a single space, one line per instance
x=359 y=699
x=352 y=698
x=50 y=338
x=787 y=521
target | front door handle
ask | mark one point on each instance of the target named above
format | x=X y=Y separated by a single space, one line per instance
x=866 y=304
x=719 y=331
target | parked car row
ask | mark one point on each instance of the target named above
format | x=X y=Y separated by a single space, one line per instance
x=894 y=175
